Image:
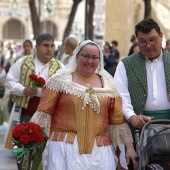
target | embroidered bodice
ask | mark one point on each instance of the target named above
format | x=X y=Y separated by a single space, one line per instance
x=67 y=107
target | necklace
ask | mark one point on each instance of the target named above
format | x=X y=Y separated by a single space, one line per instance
x=42 y=69
x=86 y=80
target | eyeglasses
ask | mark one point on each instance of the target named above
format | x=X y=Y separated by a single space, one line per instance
x=47 y=46
x=88 y=57
x=151 y=42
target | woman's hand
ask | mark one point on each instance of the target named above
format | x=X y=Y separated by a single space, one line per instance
x=131 y=154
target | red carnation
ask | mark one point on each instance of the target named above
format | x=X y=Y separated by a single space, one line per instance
x=41 y=80
x=33 y=127
x=28 y=133
x=32 y=137
x=24 y=138
x=18 y=130
x=36 y=81
x=39 y=137
x=33 y=76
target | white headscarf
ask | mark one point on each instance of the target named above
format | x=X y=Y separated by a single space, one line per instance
x=72 y=65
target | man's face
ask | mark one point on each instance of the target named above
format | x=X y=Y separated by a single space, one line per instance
x=45 y=51
x=150 y=44
x=66 y=48
x=168 y=46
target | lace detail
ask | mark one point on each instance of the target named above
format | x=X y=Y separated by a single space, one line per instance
x=120 y=134
x=43 y=119
x=77 y=165
x=64 y=84
x=45 y=156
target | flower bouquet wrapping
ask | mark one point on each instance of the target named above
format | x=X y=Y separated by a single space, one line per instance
x=36 y=81
x=29 y=137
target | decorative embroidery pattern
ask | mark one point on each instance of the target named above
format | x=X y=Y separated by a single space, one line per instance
x=120 y=134
x=89 y=95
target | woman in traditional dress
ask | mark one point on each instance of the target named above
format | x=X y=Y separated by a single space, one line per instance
x=81 y=111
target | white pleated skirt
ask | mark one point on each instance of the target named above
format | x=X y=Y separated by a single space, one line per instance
x=65 y=156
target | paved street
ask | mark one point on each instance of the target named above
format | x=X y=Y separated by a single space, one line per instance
x=7 y=160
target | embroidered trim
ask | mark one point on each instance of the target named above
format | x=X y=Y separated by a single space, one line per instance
x=64 y=84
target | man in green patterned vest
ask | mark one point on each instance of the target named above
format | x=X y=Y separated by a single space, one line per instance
x=143 y=78
x=42 y=64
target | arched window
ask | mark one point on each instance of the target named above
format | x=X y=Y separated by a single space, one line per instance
x=13 y=29
x=50 y=28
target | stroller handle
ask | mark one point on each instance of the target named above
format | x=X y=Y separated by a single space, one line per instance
x=158 y=121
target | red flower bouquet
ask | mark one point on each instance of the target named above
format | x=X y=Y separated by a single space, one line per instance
x=36 y=81
x=29 y=136
x=28 y=133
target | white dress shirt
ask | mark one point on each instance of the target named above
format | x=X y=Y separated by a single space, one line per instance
x=12 y=82
x=157 y=98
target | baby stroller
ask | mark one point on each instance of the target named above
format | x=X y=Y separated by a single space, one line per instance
x=153 y=146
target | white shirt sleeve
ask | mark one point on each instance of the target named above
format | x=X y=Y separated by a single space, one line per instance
x=62 y=65
x=121 y=82
x=13 y=78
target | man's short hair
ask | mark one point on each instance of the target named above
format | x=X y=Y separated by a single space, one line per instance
x=115 y=43
x=146 y=25
x=133 y=38
x=43 y=37
x=168 y=42
x=73 y=41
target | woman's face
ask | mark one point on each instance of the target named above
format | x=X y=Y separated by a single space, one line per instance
x=107 y=49
x=88 y=60
x=27 y=48
x=135 y=49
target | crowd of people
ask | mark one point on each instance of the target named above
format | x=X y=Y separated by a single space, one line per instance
x=92 y=101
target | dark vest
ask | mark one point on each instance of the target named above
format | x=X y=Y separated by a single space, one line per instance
x=137 y=79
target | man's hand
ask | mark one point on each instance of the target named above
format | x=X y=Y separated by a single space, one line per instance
x=138 y=121
x=30 y=91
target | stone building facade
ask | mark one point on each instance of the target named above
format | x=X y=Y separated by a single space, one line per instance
x=121 y=16
x=16 y=18
x=113 y=19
